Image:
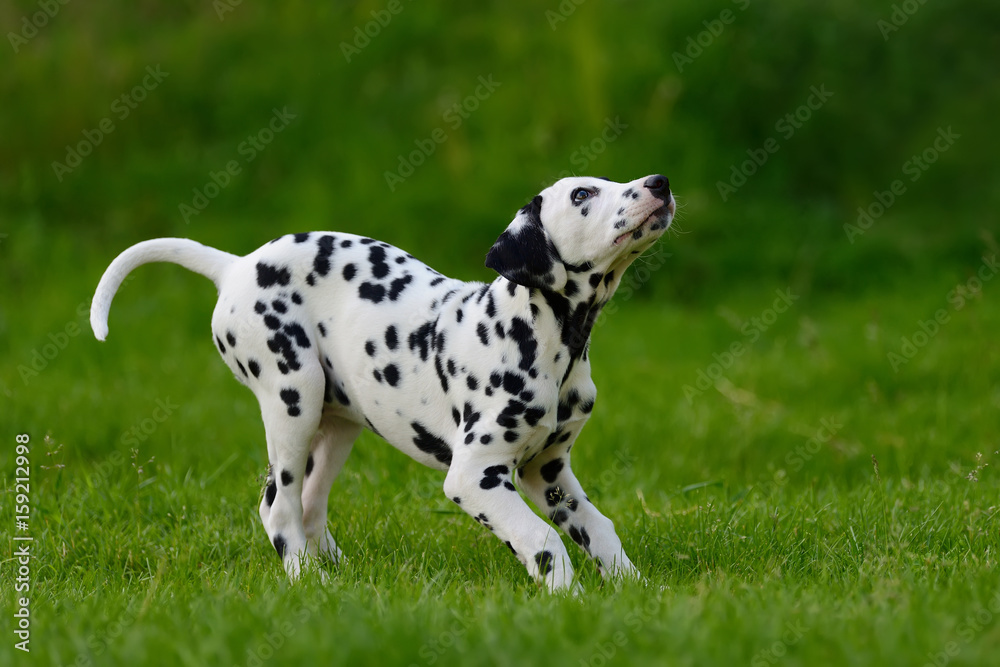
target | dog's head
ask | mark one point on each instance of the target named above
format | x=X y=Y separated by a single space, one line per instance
x=581 y=223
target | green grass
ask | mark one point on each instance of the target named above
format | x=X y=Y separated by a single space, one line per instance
x=754 y=554
x=750 y=503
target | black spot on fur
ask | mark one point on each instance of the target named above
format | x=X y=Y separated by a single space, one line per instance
x=431 y=444
x=272 y=491
x=391 y=373
x=346 y=243
x=321 y=264
x=370 y=348
x=580 y=536
x=470 y=416
x=296 y=299
x=492 y=476
x=242 y=369
x=279 y=306
x=421 y=339
x=440 y=373
x=544 y=561
x=550 y=471
x=349 y=272
x=302 y=238
x=372 y=292
x=533 y=415
x=513 y=383
x=269 y=275
x=397 y=286
x=231 y=339
x=222 y=348
x=486 y=439
x=521 y=332
x=254 y=367
x=291 y=399
x=272 y=322
x=391 y=338
x=483 y=333
x=554 y=495
x=279 y=545
x=309 y=465
x=376 y=257
x=299 y=334
x=286 y=478
x=260 y=307
x=322 y=329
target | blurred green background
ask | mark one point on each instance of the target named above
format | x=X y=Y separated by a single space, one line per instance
x=228 y=66
x=691 y=89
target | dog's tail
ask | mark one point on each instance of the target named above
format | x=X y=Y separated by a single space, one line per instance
x=194 y=256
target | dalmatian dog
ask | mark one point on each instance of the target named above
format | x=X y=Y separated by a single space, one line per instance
x=490 y=383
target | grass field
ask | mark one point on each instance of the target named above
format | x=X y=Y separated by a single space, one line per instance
x=796 y=431
x=751 y=503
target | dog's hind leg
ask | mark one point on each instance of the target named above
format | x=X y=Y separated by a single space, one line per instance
x=330 y=449
x=291 y=409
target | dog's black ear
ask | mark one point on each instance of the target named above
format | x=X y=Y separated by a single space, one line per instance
x=524 y=253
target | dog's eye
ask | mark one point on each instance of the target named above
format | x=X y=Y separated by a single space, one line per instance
x=580 y=194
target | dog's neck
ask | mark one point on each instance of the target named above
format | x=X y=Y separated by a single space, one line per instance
x=575 y=308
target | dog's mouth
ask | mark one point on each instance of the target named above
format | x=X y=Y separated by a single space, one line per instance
x=659 y=214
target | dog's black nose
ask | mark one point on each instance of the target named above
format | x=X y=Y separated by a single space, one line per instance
x=658 y=186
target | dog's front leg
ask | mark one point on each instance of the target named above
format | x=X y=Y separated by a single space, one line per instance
x=482 y=486
x=550 y=483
